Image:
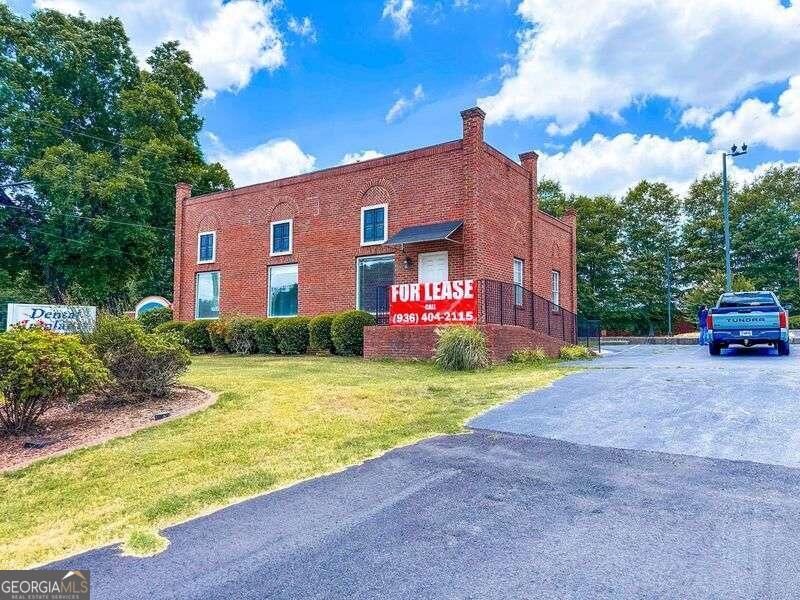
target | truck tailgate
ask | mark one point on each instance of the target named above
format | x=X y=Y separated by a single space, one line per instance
x=745 y=320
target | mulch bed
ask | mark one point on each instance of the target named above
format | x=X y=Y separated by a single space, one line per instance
x=93 y=421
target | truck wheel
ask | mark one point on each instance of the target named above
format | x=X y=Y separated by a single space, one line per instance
x=783 y=348
x=713 y=349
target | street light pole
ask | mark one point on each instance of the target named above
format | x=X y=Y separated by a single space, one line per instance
x=726 y=213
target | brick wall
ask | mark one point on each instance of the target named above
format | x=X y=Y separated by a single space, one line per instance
x=464 y=179
x=420 y=341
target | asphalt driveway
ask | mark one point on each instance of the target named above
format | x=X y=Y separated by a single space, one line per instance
x=488 y=515
x=677 y=399
x=512 y=514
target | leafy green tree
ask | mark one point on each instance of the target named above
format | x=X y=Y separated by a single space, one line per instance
x=599 y=251
x=552 y=198
x=600 y=257
x=103 y=143
x=766 y=233
x=702 y=246
x=651 y=213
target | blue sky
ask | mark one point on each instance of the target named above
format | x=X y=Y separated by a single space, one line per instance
x=607 y=92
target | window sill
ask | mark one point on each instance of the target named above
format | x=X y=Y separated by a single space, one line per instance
x=206 y=262
x=375 y=243
x=287 y=253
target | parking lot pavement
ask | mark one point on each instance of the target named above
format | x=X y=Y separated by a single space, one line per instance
x=488 y=515
x=744 y=405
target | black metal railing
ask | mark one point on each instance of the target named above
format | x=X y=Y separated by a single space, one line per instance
x=502 y=303
x=589 y=333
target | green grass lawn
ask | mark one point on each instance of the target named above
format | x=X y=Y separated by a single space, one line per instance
x=278 y=420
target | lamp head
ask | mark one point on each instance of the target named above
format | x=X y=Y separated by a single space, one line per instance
x=733 y=149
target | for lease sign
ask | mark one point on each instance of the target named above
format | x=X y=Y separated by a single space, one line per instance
x=60 y=318
x=434 y=303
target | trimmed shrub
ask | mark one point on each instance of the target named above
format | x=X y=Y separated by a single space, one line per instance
x=39 y=368
x=794 y=322
x=147 y=368
x=347 y=332
x=178 y=327
x=196 y=335
x=528 y=356
x=461 y=348
x=265 y=336
x=153 y=318
x=319 y=333
x=112 y=333
x=240 y=335
x=216 y=334
x=291 y=335
x=142 y=365
x=576 y=353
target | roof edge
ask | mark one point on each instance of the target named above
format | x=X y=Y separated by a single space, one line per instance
x=337 y=170
x=554 y=220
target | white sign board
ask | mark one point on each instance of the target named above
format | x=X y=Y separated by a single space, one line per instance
x=63 y=319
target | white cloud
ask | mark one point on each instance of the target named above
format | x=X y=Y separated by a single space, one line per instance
x=696 y=117
x=228 y=41
x=578 y=58
x=612 y=165
x=763 y=122
x=303 y=27
x=399 y=12
x=273 y=159
x=403 y=104
x=354 y=157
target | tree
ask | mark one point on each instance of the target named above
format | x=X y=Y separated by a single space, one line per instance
x=600 y=258
x=766 y=233
x=599 y=251
x=103 y=143
x=702 y=246
x=651 y=213
x=552 y=198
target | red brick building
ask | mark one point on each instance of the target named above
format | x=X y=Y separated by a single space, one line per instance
x=323 y=241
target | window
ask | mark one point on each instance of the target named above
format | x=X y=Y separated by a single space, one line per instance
x=555 y=289
x=206 y=247
x=519 y=269
x=206 y=293
x=281 y=238
x=374 y=274
x=373 y=224
x=283 y=291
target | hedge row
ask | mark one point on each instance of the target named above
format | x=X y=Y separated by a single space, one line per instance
x=341 y=333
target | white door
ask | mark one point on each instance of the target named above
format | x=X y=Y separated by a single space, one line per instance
x=433 y=267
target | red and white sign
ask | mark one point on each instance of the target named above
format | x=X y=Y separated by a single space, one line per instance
x=434 y=303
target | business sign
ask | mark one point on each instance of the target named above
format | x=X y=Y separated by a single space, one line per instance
x=434 y=303
x=62 y=319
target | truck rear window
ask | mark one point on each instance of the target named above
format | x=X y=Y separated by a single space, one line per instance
x=745 y=299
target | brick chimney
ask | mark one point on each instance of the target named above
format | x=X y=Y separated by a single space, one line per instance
x=473 y=150
x=529 y=162
x=473 y=127
x=183 y=191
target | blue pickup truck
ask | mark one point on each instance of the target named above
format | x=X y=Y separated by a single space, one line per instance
x=748 y=319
